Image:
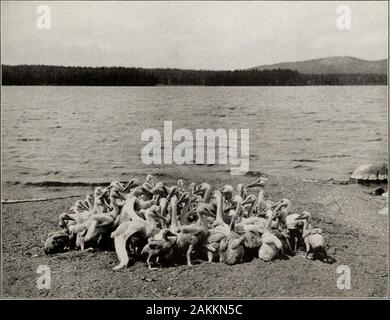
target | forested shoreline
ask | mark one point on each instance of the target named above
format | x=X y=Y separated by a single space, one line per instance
x=42 y=75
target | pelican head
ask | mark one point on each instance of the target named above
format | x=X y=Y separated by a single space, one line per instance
x=284 y=204
x=227 y=191
x=65 y=216
x=56 y=242
x=317 y=230
x=237 y=199
x=165 y=233
x=261 y=182
x=148 y=184
x=99 y=192
x=203 y=187
x=240 y=189
x=153 y=209
x=149 y=179
x=79 y=206
x=184 y=197
x=172 y=192
x=305 y=215
x=116 y=184
x=89 y=200
x=217 y=194
x=115 y=192
x=180 y=184
x=232 y=213
x=160 y=189
x=192 y=187
x=250 y=199
x=133 y=183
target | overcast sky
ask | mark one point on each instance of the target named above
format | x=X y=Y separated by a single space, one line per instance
x=196 y=35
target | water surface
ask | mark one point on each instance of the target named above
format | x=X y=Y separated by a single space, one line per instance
x=93 y=134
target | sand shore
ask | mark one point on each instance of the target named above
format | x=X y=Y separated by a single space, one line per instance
x=356 y=236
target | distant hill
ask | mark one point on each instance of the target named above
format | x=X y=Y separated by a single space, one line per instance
x=331 y=65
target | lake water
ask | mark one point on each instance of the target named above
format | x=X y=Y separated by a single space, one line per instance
x=93 y=134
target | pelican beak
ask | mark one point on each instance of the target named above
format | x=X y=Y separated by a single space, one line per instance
x=171 y=193
x=166 y=190
x=104 y=200
x=170 y=234
x=277 y=205
x=191 y=211
x=253 y=184
x=209 y=212
x=197 y=190
x=120 y=196
x=133 y=183
x=301 y=216
x=246 y=201
x=161 y=217
x=66 y=216
x=69 y=217
x=182 y=197
x=84 y=207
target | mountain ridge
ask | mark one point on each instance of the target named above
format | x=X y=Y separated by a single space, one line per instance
x=331 y=65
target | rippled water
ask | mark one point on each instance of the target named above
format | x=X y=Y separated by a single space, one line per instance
x=93 y=134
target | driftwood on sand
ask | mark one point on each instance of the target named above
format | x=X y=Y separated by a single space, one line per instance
x=7 y=201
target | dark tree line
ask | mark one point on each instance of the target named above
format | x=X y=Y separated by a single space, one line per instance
x=119 y=76
x=346 y=79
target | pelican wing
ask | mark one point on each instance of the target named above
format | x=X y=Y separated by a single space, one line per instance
x=216 y=237
x=270 y=238
x=128 y=228
x=252 y=239
x=103 y=219
x=191 y=229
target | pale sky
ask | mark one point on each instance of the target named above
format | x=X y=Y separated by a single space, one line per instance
x=194 y=35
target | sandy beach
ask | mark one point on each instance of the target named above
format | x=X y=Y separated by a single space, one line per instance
x=356 y=236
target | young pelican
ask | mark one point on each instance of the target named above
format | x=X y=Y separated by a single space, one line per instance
x=199 y=229
x=220 y=231
x=99 y=205
x=163 y=207
x=249 y=205
x=145 y=190
x=103 y=222
x=292 y=222
x=128 y=212
x=57 y=242
x=227 y=192
x=270 y=244
x=219 y=219
x=204 y=191
x=314 y=240
x=180 y=184
x=89 y=201
x=241 y=191
x=149 y=183
x=186 y=242
x=261 y=202
x=131 y=185
x=232 y=246
x=160 y=248
x=145 y=228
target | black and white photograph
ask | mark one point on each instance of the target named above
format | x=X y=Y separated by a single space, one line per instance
x=194 y=150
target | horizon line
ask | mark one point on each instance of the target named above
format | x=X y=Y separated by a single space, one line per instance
x=189 y=69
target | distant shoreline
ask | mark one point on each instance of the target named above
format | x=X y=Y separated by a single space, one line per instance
x=42 y=75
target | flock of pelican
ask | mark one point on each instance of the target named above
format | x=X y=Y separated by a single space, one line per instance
x=168 y=223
